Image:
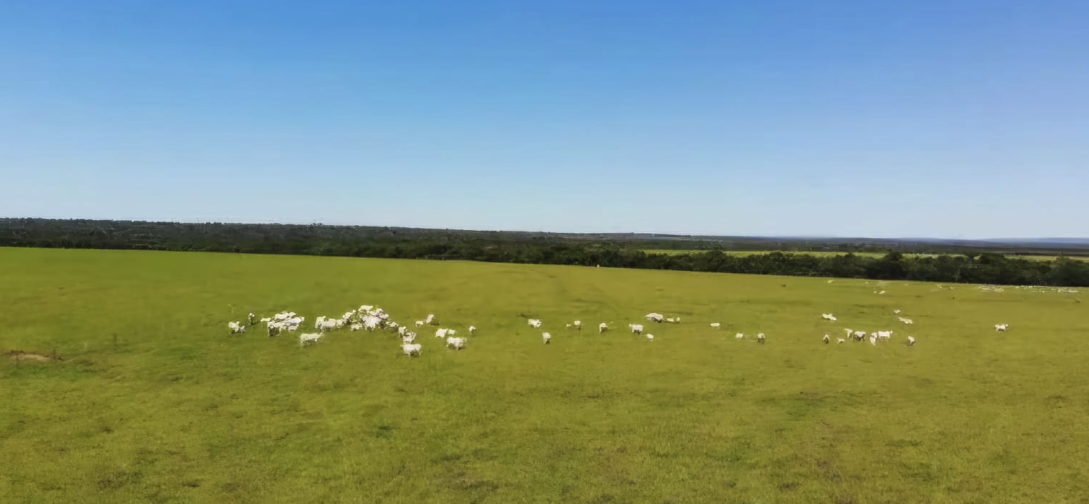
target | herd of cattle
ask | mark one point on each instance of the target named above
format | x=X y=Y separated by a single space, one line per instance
x=371 y=318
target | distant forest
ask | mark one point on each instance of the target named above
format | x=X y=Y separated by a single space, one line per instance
x=958 y=262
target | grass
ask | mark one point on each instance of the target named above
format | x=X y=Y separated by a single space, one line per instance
x=821 y=253
x=155 y=402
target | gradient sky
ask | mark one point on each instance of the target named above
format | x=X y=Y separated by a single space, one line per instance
x=939 y=118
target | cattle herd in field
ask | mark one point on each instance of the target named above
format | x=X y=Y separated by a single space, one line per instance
x=371 y=318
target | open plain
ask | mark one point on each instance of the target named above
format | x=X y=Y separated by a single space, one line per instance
x=120 y=383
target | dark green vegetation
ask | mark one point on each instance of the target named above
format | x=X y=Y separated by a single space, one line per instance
x=972 y=266
x=154 y=401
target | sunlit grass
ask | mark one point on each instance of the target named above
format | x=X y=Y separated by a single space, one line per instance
x=155 y=402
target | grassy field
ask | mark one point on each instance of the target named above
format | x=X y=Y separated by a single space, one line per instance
x=154 y=401
x=832 y=254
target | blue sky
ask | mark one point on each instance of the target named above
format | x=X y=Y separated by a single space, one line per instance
x=867 y=118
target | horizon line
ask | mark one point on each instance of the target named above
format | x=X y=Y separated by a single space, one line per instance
x=1056 y=239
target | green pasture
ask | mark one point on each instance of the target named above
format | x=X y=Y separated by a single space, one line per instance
x=151 y=400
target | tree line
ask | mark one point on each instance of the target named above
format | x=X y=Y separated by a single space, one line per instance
x=530 y=248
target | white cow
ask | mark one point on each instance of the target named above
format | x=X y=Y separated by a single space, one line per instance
x=547 y=338
x=650 y=336
x=739 y=336
x=455 y=343
x=430 y=319
x=911 y=341
x=760 y=338
x=419 y=323
x=840 y=341
x=1001 y=327
x=715 y=325
x=826 y=339
x=472 y=329
x=636 y=328
x=578 y=325
x=412 y=349
x=655 y=317
x=408 y=337
x=602 y=327
x=309 y=339
x=236 y=327
x=441 y=333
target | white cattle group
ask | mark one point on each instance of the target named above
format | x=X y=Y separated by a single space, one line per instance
x=368 y=318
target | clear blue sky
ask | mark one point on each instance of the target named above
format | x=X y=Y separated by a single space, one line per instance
x=940 y=118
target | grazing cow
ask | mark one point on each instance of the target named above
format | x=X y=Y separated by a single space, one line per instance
x=412 y=349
